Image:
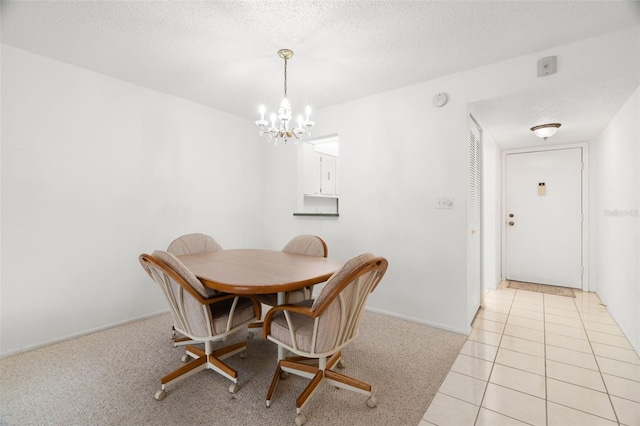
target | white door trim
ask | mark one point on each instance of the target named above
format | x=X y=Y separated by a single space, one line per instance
x=585 y=204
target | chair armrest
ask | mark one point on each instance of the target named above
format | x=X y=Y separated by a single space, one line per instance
x=148 y=261
x=303 y=310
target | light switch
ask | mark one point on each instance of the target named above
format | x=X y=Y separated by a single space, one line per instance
x=444 y=203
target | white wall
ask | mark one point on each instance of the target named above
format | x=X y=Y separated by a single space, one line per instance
x=398 y=154
x=617 y=218
x=390 y=177
x=96 y=171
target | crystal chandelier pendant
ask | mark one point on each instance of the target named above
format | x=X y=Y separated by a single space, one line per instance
x=281 y=124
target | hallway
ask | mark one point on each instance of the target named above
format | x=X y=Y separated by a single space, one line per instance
x=541 y=359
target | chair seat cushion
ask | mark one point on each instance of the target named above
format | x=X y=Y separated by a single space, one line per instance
x=268 y=299
x=220 y=313
x=303 y=328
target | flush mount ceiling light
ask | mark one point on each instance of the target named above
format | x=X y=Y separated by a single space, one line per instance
x=283 y=130
x=545 y=130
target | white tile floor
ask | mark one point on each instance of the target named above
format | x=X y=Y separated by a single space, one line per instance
x=541 y=359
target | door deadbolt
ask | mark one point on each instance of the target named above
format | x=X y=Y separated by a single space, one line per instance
x=510 y=214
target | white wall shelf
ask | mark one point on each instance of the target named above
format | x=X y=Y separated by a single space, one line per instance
x=321 y=195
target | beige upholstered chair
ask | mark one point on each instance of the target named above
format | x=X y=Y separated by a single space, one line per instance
x=193 y=243
x=322 y=328
x=201 y=317
x=189 y=244
x=308 y=245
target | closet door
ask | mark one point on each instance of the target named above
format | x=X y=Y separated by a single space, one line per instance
x=474 y=283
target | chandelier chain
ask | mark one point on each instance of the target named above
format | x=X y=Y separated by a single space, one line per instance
x=285 y=76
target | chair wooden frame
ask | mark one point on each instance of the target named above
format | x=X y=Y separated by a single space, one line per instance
x=207 y=358
x=374 y=269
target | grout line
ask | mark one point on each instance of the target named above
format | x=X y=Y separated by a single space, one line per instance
x=595 y=358
x=504 y=415
x=546 y=377
x=493 y=364
x=586 y=412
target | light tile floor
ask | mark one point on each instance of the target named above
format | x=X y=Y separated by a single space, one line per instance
x=541 y=359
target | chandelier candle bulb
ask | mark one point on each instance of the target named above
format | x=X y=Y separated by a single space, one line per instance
x=262 y=123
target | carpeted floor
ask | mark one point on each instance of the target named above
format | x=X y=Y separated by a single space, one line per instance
x=542 y=288
x=110 y=377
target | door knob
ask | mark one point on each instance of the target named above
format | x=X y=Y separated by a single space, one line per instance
x=511 y=223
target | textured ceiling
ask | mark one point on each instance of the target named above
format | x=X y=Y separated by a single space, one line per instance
x=223 y=53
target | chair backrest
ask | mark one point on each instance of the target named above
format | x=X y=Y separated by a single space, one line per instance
x=340 y=304
x=306 y=244
x=185 y=294
x=193 y=243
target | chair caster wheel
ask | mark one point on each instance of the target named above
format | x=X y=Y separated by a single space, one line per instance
x=160 y=395
x=243 y=354
x=250 y=335
x=340 y=364
x=284 y=375
x=372 y=402
x=185 y=358
x=301 y=419
x=234 y=388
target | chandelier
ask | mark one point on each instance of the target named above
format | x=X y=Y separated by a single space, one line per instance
x=280 y=128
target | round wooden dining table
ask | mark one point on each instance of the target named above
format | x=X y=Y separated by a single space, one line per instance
x=255 y=271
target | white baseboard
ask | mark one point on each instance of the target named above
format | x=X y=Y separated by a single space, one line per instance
x=420 y=321
x=80 y=334
x=142 y=317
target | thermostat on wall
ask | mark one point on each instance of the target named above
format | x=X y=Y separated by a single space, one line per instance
x=547 y=66
x=440 y=99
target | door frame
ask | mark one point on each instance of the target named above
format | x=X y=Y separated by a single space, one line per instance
x=585 y=203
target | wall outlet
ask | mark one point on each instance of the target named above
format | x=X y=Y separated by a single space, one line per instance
x=444 y=203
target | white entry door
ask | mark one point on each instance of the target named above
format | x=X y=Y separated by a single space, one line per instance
x=544 y=217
